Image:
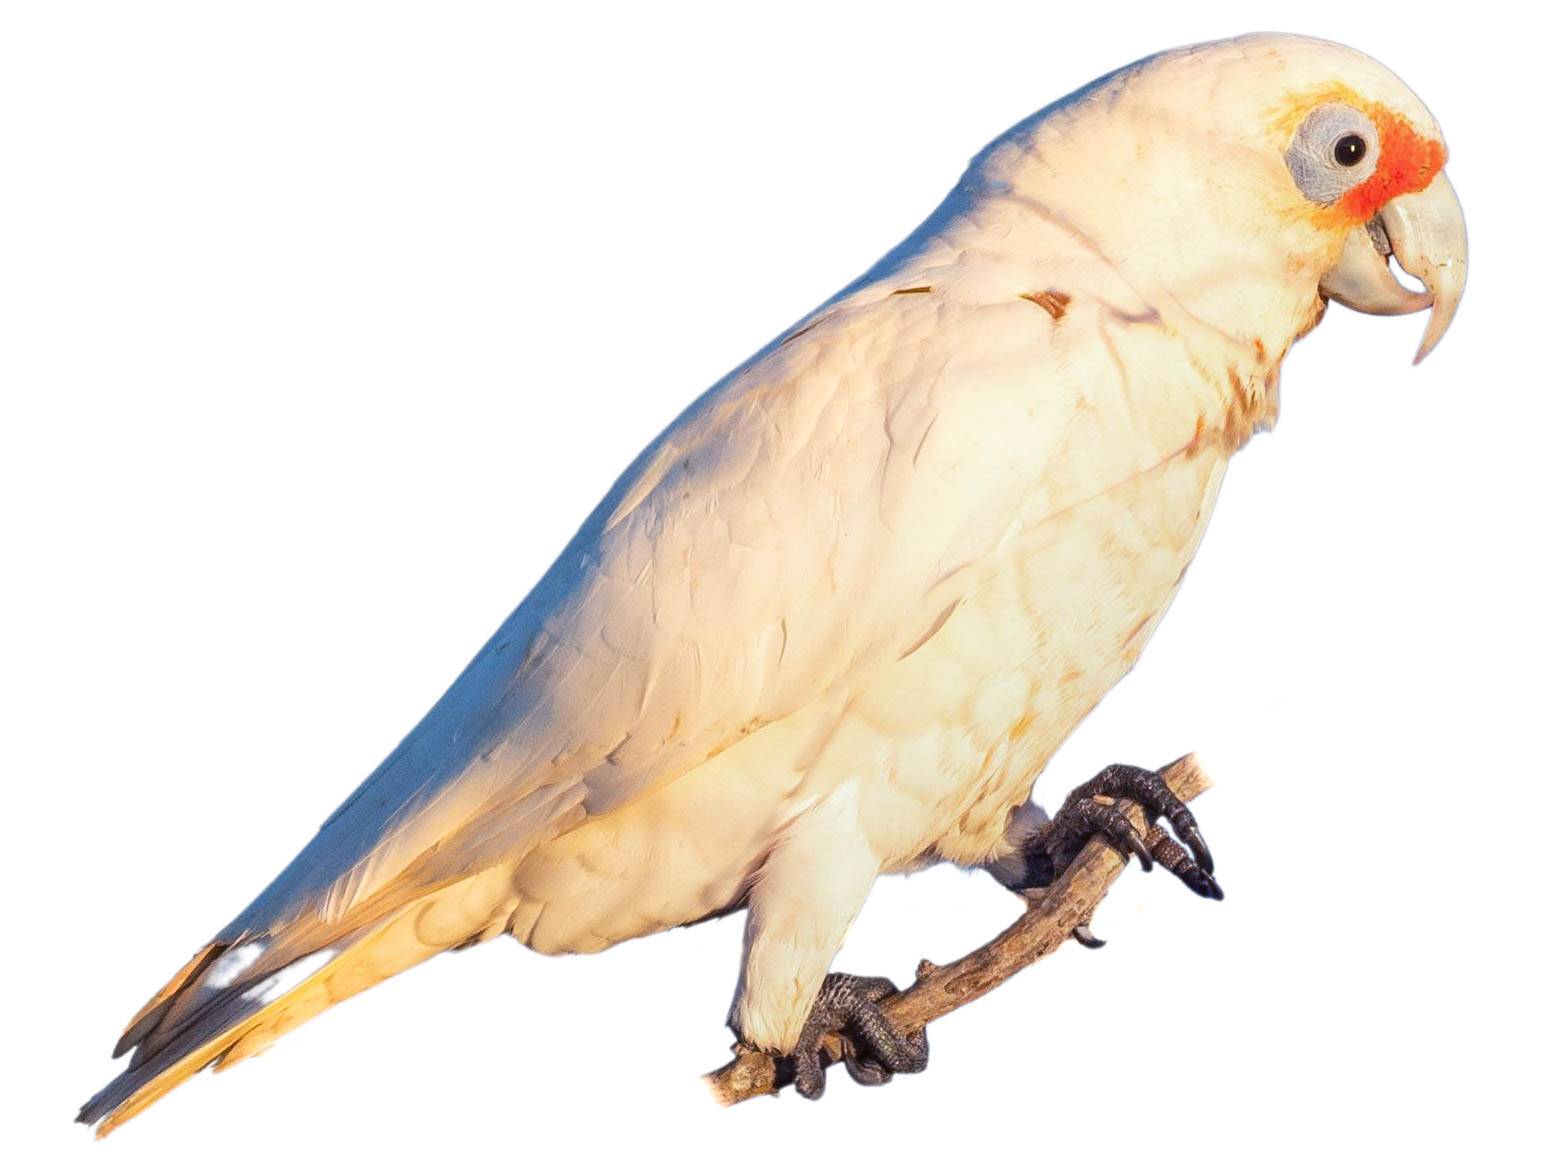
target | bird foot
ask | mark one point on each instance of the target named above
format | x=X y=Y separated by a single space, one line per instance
x=875 y=1050
x=1097 y=808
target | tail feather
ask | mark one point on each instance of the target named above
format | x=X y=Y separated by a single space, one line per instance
x=152 y=1013
x=207 y=1015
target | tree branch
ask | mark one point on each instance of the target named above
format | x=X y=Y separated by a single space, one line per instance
x=1049 y=920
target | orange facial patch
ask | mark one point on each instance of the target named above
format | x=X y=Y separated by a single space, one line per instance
x=1406 y=162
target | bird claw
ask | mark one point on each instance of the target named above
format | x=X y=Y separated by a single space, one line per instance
x=1171 y=855
x=874 y=1050
x=1085 y=936
x=1097 y=808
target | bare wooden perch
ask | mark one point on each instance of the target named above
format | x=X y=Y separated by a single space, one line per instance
x=939 y=989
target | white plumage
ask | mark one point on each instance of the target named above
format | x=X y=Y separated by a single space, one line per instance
x=836 y=619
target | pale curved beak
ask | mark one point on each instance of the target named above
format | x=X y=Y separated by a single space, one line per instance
x=1425 y=233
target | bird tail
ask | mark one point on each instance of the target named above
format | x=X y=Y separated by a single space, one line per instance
x=234 y=999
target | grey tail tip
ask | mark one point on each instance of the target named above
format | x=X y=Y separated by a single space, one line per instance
x=95 y=1108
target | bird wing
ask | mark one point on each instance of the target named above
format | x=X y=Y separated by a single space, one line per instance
x=812 y=517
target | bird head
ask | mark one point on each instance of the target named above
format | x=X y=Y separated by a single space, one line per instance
x=1247 y=181
x=1370 y=170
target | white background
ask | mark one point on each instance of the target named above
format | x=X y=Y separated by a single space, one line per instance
x=323 y=325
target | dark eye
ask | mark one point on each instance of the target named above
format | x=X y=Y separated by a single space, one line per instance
x=1331 y=151
x=1350 y=150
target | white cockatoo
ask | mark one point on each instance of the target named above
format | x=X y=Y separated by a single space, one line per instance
x=835 y=620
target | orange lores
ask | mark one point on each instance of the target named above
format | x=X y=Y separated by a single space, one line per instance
x=1406 y=162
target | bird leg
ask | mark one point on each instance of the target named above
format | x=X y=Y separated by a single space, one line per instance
x=1096 y=808
x=1068 y=900
x=874 y=1051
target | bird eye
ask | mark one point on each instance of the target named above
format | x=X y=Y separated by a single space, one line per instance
x=1331 y=150
x=1350 y=150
